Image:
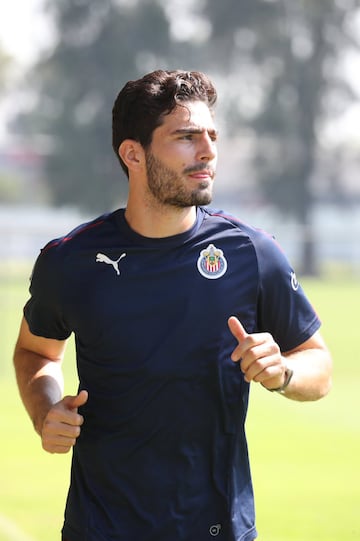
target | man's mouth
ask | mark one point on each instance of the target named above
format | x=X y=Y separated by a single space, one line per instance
x=200 y=172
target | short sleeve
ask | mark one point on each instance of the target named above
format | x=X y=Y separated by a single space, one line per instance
x=43 y=311
x=283 y=308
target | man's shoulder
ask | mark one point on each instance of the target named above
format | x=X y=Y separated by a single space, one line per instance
x=80 y=235
x=232 y=221
x=263 y=243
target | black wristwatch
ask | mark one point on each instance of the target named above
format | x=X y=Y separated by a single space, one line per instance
x=288 y=375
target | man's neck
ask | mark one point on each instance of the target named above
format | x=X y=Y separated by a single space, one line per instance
x=166 y=221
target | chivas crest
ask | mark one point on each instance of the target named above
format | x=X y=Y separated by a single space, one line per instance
x=212 y=263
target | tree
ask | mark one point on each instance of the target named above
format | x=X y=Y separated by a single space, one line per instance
x=282 y=56
x=8 y=191
x=296 y=48
x=6 y=63
x=100 y=45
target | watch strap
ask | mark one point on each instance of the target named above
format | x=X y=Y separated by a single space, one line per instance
x=288 y=375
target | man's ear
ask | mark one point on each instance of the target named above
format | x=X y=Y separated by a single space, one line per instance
x=132 y=154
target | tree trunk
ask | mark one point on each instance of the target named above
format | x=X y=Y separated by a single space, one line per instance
x=309 y=265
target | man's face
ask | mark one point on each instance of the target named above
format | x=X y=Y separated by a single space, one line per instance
x=181 y=159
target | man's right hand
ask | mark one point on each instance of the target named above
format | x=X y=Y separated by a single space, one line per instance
x=61 y=426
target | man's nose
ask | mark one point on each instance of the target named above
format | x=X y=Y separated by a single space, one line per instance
x=207 y=148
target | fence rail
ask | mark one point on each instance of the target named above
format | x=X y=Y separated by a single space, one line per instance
x=24 y=231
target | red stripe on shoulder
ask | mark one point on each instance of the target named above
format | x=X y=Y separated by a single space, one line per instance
x=80 y=229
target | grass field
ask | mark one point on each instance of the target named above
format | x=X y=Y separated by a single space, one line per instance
x=305 y=457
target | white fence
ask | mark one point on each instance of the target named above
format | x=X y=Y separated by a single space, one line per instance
x=24 y=230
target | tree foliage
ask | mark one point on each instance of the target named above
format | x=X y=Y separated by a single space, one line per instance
x=280 y=60
x=5 y=64
x=100 y=45
x=296 y=49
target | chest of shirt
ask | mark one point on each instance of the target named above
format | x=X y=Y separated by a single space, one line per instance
x=122 y=288
x=160 y=316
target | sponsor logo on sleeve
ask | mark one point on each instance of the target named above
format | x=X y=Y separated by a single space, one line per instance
x=294 y=282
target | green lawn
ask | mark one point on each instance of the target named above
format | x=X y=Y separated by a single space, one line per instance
x=33 y=483
x=305 y=457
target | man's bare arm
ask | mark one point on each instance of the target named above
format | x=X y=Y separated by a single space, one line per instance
x=39 y=376
x=38 y=371
x=262 y=361
x=312 y=366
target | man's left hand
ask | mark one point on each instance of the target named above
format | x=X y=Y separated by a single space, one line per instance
x=259 y=356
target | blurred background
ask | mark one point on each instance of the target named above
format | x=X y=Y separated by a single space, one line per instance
x=287 y=74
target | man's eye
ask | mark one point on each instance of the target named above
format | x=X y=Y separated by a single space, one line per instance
x=187 y=137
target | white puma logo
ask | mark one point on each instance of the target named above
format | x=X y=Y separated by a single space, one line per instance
x=102 y=258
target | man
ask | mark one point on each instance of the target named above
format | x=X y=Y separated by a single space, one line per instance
x=175 y=309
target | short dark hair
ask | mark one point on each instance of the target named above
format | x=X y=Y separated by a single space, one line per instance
x=141 y=105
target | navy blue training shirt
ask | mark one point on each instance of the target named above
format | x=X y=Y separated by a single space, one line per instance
x=162 y=454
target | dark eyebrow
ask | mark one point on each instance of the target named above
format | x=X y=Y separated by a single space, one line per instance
x=194 y=130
